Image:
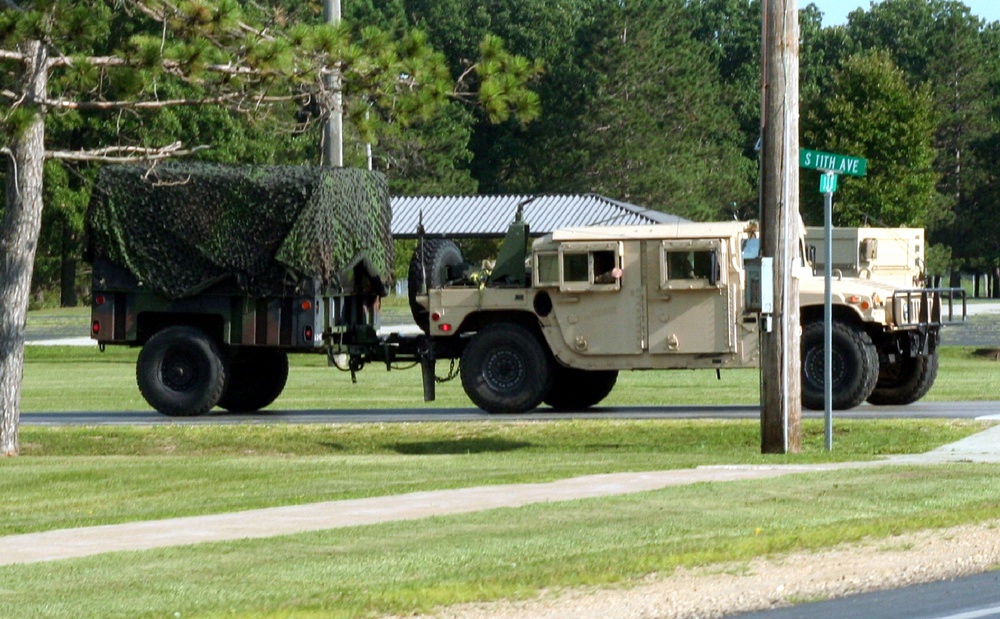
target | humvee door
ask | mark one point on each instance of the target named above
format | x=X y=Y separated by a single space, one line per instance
x=689 y=305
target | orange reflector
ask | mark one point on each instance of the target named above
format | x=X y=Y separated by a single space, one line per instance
x=865 y=305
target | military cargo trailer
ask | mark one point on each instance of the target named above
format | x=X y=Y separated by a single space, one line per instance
x=219 y=272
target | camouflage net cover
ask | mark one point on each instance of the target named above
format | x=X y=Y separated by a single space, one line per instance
x=182 y=227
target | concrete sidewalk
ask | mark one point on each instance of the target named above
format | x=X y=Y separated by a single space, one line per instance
x=271 y=522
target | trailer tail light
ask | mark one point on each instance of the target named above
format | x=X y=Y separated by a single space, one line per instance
x=306 y=306
x=99 y=299
x=95 y=328
x=444 y=327
x=307 y=334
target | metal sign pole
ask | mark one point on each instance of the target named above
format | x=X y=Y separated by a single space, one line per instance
x=829 y=186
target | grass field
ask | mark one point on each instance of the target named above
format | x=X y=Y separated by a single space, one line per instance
x=58 y=378
x=90 y=476
x=86 y=476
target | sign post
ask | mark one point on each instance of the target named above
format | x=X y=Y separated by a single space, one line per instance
x=831 y=165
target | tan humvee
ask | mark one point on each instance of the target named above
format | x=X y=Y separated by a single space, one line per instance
x=556 y=322
x=892 y=255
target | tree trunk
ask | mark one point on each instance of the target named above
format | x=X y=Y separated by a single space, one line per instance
x=19 y=232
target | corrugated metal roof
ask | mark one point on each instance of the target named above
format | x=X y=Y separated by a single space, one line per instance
x=489 y=216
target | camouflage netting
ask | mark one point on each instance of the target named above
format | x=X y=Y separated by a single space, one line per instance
x=181 y=227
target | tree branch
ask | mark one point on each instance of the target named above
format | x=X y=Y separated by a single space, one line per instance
x=125 y=154
x=6 y=54
x=233 y=100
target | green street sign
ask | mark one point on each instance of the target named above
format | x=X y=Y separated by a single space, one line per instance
x=830 y=162
x=828 y=183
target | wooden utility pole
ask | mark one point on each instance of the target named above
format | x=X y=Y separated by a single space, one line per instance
x=333 y=134
x=780 y=354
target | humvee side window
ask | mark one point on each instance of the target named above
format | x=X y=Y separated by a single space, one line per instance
x=580 y=266
x=690 y=264
x=547 y=269
x=576 y=268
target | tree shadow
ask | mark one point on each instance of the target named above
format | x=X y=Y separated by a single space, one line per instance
x=457 y=446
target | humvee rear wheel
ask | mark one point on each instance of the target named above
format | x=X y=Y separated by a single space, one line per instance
x=433 y=258
x=905 y=381
x=574 y=389
x=505 y=369
x=256 y=377
x=180 y=372
x=855 y=365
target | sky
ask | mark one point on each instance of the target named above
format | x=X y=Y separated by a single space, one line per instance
x=835 y=11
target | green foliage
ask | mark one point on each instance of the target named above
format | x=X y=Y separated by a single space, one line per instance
x=657 y=130
x=870 y=111
x=940 y=43
x=180 y=227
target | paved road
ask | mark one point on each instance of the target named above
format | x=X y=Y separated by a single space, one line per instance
x=919 y=410
x=973 y=597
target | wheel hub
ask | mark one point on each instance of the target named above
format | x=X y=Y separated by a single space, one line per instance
x=178 y=372
x=813 y=364
x=504 y=371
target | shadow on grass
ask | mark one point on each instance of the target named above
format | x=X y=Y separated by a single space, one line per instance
x=458 y=446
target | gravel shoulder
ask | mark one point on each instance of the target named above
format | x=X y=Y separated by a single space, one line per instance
x=726 y=589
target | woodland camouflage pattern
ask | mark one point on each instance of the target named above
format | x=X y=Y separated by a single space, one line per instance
x=182 y=227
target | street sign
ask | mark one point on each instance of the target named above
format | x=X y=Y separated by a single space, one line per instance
x=828 y=183
x=830 y=162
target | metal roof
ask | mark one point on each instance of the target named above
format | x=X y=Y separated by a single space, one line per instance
x=489 y=216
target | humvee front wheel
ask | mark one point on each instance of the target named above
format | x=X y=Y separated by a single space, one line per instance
x=574 y=389
x=905 y=381
x=256 y=377
x=180 y=372
x=505 y=369
x=854 y=361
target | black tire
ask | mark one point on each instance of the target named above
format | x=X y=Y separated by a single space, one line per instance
x=574 y=390
x=256 y=377
x=180 y=372
x=855 y=365
x=438 y=258
x=505 y=369
x=905 y=381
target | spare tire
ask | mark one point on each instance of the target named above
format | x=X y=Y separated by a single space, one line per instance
x=437 y=260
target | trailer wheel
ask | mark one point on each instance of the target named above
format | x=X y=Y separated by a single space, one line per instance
x=855 y=365
x=505 y=369
x=256 y=377
x=180 y=372
x=439 y=257
x=905 y=381
x=574 y=390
